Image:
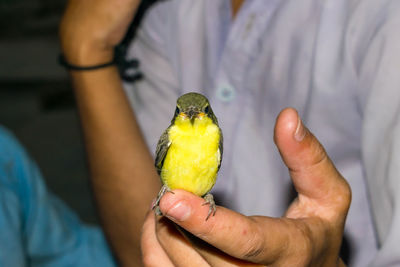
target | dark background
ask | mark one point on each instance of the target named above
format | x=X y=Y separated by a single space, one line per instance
x=36 y=101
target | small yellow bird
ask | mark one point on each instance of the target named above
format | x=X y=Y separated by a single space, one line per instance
x=189 y=152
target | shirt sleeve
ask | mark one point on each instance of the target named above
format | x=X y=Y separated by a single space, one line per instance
x=378 y=67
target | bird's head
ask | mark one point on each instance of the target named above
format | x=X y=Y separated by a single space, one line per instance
x=192 y=106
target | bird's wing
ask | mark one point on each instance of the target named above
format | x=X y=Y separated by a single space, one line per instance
x=220 y=148
x=161 y=150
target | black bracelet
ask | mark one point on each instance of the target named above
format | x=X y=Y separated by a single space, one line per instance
x=63 y=62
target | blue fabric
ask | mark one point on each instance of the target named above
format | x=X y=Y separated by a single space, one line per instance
x=36 y=228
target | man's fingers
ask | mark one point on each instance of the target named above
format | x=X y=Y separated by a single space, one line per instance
x=179 y=250
x=163 y=245
x=152 y=252
x=233 y=233
x=313 y=173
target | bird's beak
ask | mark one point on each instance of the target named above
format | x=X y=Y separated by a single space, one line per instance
x=192 y=114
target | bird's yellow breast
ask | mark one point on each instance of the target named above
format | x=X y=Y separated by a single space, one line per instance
x=193 y=157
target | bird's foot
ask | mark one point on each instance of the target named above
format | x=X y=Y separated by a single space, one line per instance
x=164 y=189
x=209 y=200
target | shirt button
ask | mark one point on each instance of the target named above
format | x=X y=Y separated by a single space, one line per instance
x=225 y=93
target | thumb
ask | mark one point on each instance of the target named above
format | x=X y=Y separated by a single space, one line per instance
x=312 y=172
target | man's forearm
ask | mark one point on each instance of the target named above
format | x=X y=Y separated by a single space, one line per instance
x=122 y=173
x=123 y=177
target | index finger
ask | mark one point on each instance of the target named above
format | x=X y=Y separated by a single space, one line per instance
x=256 y=239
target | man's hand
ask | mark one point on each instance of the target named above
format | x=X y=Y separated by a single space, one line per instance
x=309 y=234
x=90 y=29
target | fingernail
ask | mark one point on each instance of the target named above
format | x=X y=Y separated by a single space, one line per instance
x=300 y=132
x=180 y=212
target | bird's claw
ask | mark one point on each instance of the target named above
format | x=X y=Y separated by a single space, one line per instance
x=164 y=189
x=209 y=200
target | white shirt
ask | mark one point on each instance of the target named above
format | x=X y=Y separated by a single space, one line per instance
x=336 y=61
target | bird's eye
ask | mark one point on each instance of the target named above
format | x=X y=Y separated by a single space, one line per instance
x=207 y=109
x=177 y=111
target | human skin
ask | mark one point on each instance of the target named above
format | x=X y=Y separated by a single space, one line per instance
x=309 y=234
x=122 y=174
x=124 y=179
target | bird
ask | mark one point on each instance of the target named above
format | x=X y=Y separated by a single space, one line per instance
x=189 y=152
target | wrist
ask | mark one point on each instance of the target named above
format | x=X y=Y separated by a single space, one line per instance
x=87 y=54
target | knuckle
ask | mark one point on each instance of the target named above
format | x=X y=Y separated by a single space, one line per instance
x=253 y=248
x=318 y=151
x=251 y=252
x=347 y=194
x=306 y=235
x=303 y=250
x=320 y=160
x=343 y=197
